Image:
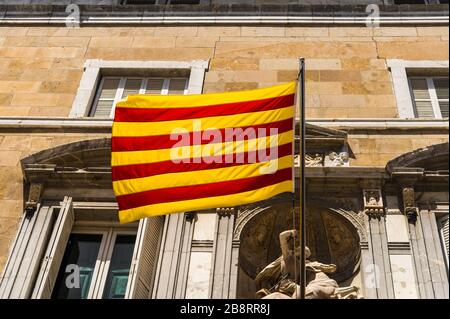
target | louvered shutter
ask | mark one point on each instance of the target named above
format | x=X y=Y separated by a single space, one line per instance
x=444 y=232
x=107 y=95
x=441 y=86
x=145 y=258
x=422 y=100
x=55 y=251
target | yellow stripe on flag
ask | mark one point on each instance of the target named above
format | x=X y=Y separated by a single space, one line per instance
x=195 y=100
x=215 y=122
x=137 y=185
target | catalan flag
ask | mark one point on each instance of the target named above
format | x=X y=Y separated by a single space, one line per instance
x=174 y=154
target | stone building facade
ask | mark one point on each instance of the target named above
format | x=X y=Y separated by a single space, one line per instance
x=377 y=144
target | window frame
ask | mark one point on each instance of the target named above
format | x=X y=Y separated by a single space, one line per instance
x=94 y=69
x=432 y=93
x=402 y=91
x=121 y=87
x=102 y=263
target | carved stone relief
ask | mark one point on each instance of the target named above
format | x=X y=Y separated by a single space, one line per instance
x=33 y=198
x=373 y=203
x=409 y=206
x=314 y=160
x=329 y=159
x=257 y=230
x=335 y=159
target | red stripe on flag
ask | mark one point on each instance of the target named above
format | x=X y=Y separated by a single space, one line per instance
x=142 y=143
x=181 y=193
x=124 y=114
x=196 y=164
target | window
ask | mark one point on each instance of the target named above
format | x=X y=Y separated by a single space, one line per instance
x=443 y=226
x=89 y=92
x=114 y=89
x=430 y=96
x=403 y=71
x=102 y=259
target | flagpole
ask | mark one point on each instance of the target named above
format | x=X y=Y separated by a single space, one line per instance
x=301 y=182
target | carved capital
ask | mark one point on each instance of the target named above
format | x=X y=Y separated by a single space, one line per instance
x=373 y=203
x=408 y=196
x=189 y=216
x=34 y=197
x=225 y=212
x=409 y=206
x=411 y=213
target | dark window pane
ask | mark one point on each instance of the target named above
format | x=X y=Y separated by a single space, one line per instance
x=420 y=89
x=154 y=86
x=444 y=108
x=82 y=251
x=132 y=86
x=177 y=86
x=119 y=268
x=441 y=86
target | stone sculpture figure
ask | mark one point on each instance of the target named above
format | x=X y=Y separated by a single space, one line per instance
x=279 y=279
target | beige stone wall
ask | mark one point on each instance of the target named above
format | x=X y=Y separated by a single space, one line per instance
x=347 y=77
x=14 y=147
x=378 y=149
x=40 y=67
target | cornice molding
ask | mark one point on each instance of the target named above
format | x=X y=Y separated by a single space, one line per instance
x=242 y=19
x=105 y=124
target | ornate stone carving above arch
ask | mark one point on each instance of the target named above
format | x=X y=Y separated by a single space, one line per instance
x=247 y=212
x=333 y=234
x=82 y=154
x=431 y=158
x=83 y=167
x=347 y=208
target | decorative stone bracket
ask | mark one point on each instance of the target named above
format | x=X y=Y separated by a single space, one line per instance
x=33 y=198
x=373 y=203
x=407 y=177
x=409 y=208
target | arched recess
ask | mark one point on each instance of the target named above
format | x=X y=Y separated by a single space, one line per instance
x=430 y=158
x=83 y=167
x=82 y=154
x=333 y=236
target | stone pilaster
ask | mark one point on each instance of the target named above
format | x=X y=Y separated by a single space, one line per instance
x=376 y=264
x=174 y=263
x=429 y=265
x=221 y=272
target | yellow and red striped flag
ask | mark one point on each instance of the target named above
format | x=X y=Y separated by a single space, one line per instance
x=172 y=154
